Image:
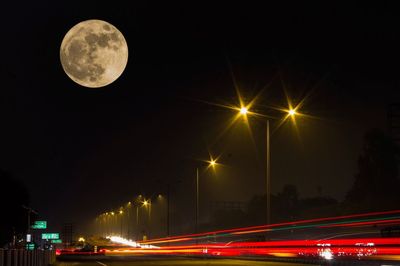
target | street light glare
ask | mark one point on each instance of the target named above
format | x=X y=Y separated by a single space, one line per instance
x=243 y=111
x=292 y=112
x=213 y=163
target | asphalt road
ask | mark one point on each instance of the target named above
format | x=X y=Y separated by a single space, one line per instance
x=177 y=262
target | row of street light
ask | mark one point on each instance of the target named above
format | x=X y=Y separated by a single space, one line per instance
x=111 y=222
x=108 y=220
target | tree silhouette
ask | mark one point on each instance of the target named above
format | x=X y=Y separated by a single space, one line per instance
x=13 y=196
x=376 y=183
x=287 y=203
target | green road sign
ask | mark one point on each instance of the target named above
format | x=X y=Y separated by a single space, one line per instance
x=30 y=246
x=50 y=236
x=40 y=225
x=56 y=241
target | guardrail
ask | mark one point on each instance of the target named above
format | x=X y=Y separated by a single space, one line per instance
x=22 y=257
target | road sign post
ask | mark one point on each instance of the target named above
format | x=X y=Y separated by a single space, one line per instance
x=50 y=236
x=39 y=225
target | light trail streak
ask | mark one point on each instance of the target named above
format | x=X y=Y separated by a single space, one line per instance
x=352 y=248
x=377 y=248
x=273 y=227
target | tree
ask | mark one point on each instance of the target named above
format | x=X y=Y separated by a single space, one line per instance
x=287 y=203
x=283 y=206
x=376 y=184
x=13 y=196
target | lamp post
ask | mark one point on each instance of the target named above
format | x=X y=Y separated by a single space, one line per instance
x=140 y=202
x=168 y=198
x=268 y=175
x=147 y=204
x=121 y=212
x=197 y=200
x=128 y=223
x=243 y=111
x=168 y=205
x=112 y=222
x=212 y=163
x=137 y=222
x=166 y=195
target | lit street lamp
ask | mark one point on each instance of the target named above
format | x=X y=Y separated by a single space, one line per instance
x=147 y=204
x=243 y=111
x=212 y=163
x=121 y=212
x=128 y=223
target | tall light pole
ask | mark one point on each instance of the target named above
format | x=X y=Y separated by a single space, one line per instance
x=197 y=200
x=291 y=112
x=128 y=223
x=168 y=186
x=29 y=210
x=268 y=165
x=212 y=163
x=137 y=203
x=168 y=205
x=112 y=222
x=137 y=222
x=147 y=204
x=121 y=212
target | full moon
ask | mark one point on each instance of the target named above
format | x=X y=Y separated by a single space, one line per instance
x=94 y=53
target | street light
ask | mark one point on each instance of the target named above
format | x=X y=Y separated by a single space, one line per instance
x=144 y=203
x=244 y=111
x=138 y=204
x=113 y=223
x=121 y=212
x=167 y=196
x=128 y=223
x=147 y=204
x=211 y=163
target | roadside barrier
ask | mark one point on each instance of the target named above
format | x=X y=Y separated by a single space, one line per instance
x=22 y=257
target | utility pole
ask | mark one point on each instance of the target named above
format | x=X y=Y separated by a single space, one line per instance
x=28 y=230
x=29 y=210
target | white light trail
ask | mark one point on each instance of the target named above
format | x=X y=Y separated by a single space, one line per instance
x=127 y=242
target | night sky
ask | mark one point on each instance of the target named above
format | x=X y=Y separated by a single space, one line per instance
x=83 y=151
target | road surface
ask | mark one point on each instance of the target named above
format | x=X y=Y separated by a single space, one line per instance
x=177 y=262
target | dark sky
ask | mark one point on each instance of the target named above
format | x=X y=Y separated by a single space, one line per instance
x=81 y=151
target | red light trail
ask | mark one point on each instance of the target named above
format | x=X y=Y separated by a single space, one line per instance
x=374 y=248
x=335 y=222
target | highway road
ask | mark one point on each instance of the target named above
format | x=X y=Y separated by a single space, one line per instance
x=177 y=262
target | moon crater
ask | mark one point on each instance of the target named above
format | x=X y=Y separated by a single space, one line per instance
x=94 y=53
